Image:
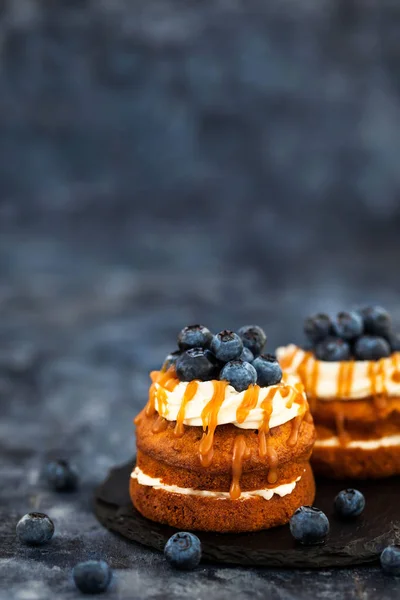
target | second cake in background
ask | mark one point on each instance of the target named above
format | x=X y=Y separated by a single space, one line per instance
x=351 y=373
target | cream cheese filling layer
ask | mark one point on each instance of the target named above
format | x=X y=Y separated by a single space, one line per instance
x=386 y=374
x=267 y=493
x=284 y=408
x=384 y=442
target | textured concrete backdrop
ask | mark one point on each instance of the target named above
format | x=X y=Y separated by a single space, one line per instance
x=163 y=163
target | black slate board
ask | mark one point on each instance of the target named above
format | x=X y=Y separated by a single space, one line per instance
x=349 y=543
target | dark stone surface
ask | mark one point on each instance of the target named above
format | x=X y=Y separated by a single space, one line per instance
x=354 y=542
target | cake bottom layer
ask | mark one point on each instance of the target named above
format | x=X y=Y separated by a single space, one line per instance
x=220 y=513
x=358 y=458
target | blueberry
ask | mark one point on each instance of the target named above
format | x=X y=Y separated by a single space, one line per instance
x=239 y=374
x=394 y=341
x=348 y=325
x=247 y=355
x=371 y=347
x=226 y=346
x=377 y=320
x=61 y=476
x=390 y=560
x=183 y=551
x=349 y=503
x=253 y=338
x=194 y=336
x=35 y=529
x=171 y=359
x=217 y=364
x=268 y=370
x=92 y=576
x=195 y=363
x=309 y=525
x=332 y=349
x=318 y=327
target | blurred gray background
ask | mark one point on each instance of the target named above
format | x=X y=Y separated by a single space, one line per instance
x=164 y=163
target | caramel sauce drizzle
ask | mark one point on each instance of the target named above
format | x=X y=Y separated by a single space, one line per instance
x=290 y=400
x=272 y=476
x=344 y=386
x=151 y=404
x=341 y=378
x=285 y=390
x=396 y=367
x=345 y=379
x=263 y=429
x=171 y=384
x=160 y=425
x=161 y=399
x=374 y=370
x=348 y=383
x=138 y=418
x=302 y=368
x=342 y=434
x=287 y=361
x=163 y=378
x=189 y=394
x=294 y=434
x=297 y=421
x=380 y=399
x=308 y=417
x=240 y=453
x=209 y=417
x=249 y=402
x=313 y=383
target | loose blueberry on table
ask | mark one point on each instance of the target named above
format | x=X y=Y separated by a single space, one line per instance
x=309 y=525
x=363 y=334
x=235 y=357
x=349 y=503
x=92 y=576
x=183 y=551
x=390 y=560
x=61 y=476
x=35 y=529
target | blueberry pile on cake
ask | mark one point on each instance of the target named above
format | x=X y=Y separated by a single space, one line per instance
x=224 y=441
x=351 y=374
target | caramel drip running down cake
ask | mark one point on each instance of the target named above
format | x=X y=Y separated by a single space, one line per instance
x=351 y=374
x=224 y=441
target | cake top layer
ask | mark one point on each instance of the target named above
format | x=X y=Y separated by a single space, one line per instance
x=195 y=403
x=234 y=357
x=362 y=334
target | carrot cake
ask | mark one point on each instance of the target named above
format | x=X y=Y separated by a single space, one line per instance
x=352 y=378
x=224 y=441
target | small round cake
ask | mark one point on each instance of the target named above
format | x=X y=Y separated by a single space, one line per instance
x=224 y=441
x=352 y=380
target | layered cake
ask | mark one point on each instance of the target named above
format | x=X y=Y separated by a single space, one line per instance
x=351 y=373
x=224 y=441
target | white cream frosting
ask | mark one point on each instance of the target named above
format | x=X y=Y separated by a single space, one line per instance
x=281 y=409
x=326 y=387
x=383 y=442
x=267 y=493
